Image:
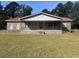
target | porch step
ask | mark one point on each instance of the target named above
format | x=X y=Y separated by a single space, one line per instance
x=42 y=31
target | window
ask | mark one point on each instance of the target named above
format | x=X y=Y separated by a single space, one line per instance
x=10 y=26
x=14 y=26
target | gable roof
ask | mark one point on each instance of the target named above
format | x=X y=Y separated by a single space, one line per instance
x=26 y=17
x=41 y=13
x=33 y=15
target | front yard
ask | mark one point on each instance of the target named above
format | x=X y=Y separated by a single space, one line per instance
x=29 y=45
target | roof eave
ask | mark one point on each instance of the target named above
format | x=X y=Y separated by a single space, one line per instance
x=44 y=20
x=12 y=20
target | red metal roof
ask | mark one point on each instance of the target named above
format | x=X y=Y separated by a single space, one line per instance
x=13 y=19
x=25 y=17
x=66 y=19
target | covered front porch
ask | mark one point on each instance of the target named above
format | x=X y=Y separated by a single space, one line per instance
x=49 y=27
x=43 y=25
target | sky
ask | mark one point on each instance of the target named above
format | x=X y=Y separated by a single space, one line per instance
x=37 y=6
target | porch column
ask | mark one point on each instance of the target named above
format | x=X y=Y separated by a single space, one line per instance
x=53 y=25
x=44 y=25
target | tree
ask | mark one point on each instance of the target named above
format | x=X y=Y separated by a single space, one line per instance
x=75 y=15
x=1 y=7
x=59 y=10
x=11 y=8
x=28 y=10
x=24 y=10
x=75 y=23
x=68 y=7
x=54 y=11
x=2 y=17
x=46 y=11
x=75 y=10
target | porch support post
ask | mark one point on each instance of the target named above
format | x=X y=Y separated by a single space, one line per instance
x=44 y=25
x=53 y=26
x=61 y=26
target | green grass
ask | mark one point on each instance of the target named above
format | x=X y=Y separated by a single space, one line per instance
x=28 y=45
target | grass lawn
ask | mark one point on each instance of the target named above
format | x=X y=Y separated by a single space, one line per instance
x=29 y=45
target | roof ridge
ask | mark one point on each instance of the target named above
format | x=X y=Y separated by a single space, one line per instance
x=41 y=13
